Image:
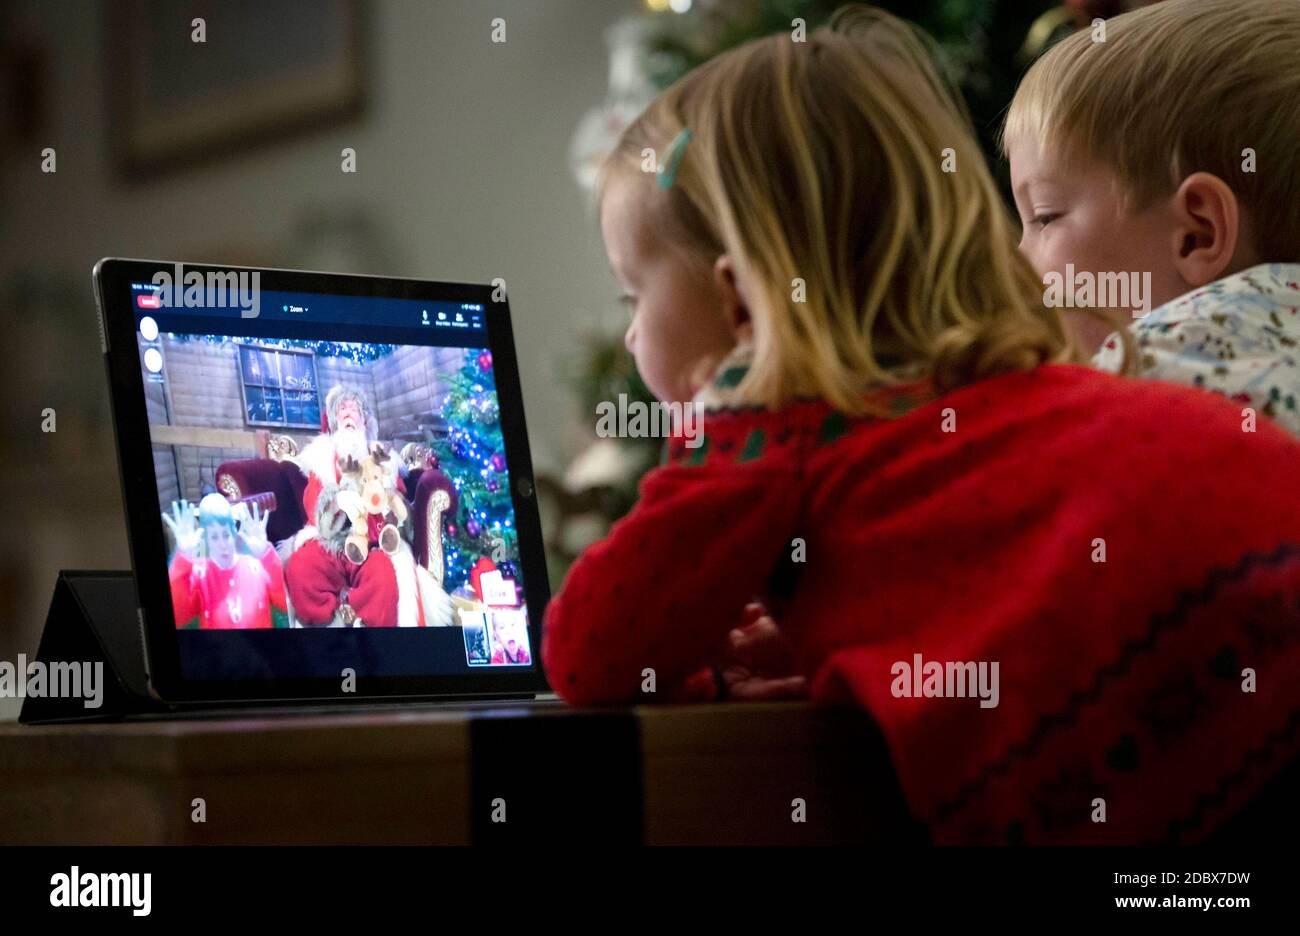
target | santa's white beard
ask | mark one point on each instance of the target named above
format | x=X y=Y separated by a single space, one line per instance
x=350 y=443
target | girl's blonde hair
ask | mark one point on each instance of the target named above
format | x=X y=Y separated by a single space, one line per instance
x=1180 y=87
x=845 y=165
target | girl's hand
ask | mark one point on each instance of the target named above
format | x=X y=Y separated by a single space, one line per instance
x=761 y=665
x=252 y=529
x=185 y=528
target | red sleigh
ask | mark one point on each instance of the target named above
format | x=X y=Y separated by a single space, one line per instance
x=276 y=484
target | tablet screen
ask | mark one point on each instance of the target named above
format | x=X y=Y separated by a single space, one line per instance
x=334 y=486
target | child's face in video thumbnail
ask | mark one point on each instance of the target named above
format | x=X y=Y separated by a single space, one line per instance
x=509 y=632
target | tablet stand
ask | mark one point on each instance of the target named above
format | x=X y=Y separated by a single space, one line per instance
x=93 y=618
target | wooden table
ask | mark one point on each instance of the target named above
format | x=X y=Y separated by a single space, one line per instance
x=726 y=774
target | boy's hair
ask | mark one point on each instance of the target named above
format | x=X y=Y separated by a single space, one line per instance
x=1180 y=87
x=821 y=162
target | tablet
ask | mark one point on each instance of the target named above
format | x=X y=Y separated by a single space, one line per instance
x=327 y=484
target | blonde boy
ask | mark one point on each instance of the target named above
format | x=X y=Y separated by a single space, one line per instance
x=1161 y=151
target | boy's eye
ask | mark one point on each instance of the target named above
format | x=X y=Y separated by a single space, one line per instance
x=1042 y=220
x=628 y=302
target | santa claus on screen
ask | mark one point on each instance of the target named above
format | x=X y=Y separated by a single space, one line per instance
x=325 y=587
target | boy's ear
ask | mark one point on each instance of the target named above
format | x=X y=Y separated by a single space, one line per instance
x=735 y=305
x=1208 y=234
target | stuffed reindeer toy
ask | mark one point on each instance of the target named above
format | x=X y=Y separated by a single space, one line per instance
x=372 y=504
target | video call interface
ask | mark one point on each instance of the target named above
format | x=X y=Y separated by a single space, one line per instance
x=353 y=489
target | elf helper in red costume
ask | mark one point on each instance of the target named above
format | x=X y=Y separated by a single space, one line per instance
x=902 y=461
x=325 y=586
x=225 y=590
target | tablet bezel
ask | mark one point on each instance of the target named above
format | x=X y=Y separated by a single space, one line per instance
x=112 y=278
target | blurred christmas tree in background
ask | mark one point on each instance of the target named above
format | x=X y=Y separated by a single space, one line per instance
x=472 y=454
x=984 y=46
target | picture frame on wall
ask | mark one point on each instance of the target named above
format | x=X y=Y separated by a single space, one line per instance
x=192 y=82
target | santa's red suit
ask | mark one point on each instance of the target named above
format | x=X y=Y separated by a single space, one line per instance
x=236 y=598
x=383 y=591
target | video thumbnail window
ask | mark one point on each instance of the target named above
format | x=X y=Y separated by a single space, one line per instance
x=496 y=638
x=309 y=484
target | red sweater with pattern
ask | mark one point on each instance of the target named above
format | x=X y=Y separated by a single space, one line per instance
x=1125 y=553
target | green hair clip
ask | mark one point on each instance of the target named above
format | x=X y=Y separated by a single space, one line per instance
x=667 y=173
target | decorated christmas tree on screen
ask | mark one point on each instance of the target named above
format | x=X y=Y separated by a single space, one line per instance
x=473 y=455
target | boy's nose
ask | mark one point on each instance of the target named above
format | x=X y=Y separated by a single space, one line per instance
x=629 y=338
